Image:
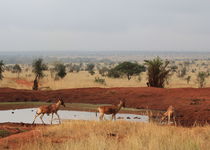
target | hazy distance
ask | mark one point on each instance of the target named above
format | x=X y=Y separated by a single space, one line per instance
x=105 y=25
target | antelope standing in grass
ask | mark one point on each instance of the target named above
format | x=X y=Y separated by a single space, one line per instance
x=169 y=113
x=110 y=110
x=50 y=109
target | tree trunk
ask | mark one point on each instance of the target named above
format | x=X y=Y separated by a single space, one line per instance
x=36 y=86
x=128 y=76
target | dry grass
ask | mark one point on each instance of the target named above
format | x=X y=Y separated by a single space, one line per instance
x=93 y=135
x=83 y=80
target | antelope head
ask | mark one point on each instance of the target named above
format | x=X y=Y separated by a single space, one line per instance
x=171 y=108
x=61 y=102
x=122 y=103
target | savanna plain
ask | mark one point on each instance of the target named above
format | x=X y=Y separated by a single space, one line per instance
x=109 y=135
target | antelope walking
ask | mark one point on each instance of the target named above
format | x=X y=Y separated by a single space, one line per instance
x=50 y=109
x=169 y=113
x=114 y=109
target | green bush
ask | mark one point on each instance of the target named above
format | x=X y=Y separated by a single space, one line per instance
x=201 y=79
x=100 y=80
x=112 y=73
x=158 y=72
x=60 y=70
x=4 y=133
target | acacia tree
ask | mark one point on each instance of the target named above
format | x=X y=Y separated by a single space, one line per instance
x=129 y=69
x=113 y=73
x=90 y=68
x=201 y=78
x=38 y=68
x=1 y=69
x=157 y=72
x=17 y=69
x=60 y=70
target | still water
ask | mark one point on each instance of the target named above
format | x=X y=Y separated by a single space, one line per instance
x=27 y=116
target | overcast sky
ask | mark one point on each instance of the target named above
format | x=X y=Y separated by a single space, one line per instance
x=104 y=25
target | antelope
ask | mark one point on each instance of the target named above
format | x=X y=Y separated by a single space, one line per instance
x=110 y=110
x=50 y=109
x=169 y=113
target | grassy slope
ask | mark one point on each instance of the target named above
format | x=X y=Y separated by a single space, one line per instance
x=93 y=135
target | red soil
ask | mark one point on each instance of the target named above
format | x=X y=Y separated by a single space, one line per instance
x=22 y=82
x=192 y=105
x=19 y=133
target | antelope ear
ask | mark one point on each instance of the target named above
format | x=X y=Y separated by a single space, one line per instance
x=60 y=98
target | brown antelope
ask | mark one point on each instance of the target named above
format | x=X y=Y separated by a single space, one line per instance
x=110 y=110
x=50 y=109
x=169 y=113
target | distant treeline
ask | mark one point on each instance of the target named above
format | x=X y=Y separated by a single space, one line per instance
x=26 y=57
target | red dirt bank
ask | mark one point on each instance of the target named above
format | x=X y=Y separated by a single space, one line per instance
x=192 y=105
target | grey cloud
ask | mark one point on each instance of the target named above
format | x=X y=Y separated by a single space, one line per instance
x=104 y=24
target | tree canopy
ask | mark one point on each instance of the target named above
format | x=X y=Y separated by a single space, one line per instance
x=201 y=79
x=39 y=67
x=129 y=69
x=90 y=68
x=16 y=69
x=60 y=70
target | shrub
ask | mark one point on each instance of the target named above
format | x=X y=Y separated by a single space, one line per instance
x=182 y=72
x=157 y=72
x=17 y=69
x=188 y=79
x=201 y=78
x=103 y=71
x=100 y=80
x=60 y=70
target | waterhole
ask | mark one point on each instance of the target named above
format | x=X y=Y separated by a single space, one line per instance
x=27 y=116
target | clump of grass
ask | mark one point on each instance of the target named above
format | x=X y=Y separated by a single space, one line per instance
x=4 y=133
x=94 y=135
x=100 y=80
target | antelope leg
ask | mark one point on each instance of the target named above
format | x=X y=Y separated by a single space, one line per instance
x=113 y=117
x=174 y=121
x=169 y=118
x=58 y=117
x=41 y=118
x=35 y=117
x=162 y=119
x=52 y=118
x=101 y=116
